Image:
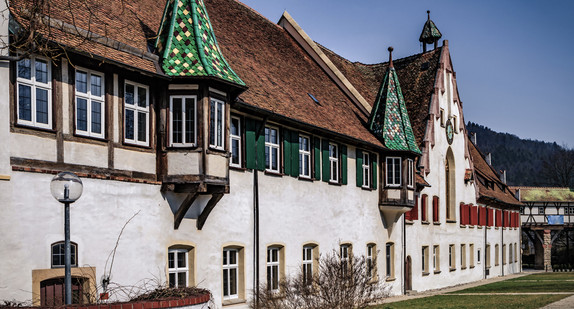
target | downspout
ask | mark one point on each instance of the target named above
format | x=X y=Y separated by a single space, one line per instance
x=502 y=242
x=256 y=218
x=485 y=241
x=404 y=255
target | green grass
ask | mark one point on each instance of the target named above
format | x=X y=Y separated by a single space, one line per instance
x=547 y=276
x=476 y=302
x=537 y=283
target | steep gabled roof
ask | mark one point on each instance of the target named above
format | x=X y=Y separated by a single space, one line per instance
x=187 y=43
x=389 y=120
x=489 y=186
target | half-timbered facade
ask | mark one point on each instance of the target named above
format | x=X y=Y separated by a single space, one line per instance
x=226 y=151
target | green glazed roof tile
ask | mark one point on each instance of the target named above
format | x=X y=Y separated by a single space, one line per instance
x=389 y=119
x=430 y=32
x=187 y=44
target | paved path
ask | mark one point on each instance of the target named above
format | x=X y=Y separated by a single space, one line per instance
x=566 y=303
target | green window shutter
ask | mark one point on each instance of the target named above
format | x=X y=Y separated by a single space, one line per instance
x=359 y=168
x=250 y=131
x=326 y=167
x=344 y=164
x=295 y=153
x=287 y=151
x=317 y=155
x=261 y=149
x=374 y=173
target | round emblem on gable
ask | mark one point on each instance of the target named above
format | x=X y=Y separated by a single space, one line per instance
x=449 y=132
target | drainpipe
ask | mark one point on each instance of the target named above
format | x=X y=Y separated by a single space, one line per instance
x=256 y=218
x=485 y=241
x=404 y=255
x=502 y=241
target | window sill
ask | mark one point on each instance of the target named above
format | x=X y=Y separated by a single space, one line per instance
x=335 y=183
x=425 y=222
x=32 y=127
x=436 y=223
x=273 y=173
x=229 y=302
x=212 y=150
x=472 y=266
x=136 y=146
x=479 y=226
x=97 y=139
x=409 y=222
x=367 y=188
x=390 y=279
x=463 y=225
x=304 y=178
x=237 y=168
x=426 y=273
x=452 y=269
x=451 y=221
x=463 y=267
x=437 y=272
x=184 y=147
x=393 y=187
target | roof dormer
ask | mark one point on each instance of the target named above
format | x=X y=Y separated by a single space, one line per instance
x=430 y=34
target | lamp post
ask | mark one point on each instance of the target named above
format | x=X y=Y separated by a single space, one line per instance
x=66 y=188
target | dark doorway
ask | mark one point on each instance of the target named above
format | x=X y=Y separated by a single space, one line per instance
x=52 y=292
x=408 y=274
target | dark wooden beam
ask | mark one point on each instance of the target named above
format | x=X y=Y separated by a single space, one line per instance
x=183 y=208
x=207 y=210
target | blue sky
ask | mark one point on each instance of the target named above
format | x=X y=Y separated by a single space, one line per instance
x=514 y=59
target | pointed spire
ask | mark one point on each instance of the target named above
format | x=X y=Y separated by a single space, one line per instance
x=187 y=45
x=430 y=33
x=389 y=120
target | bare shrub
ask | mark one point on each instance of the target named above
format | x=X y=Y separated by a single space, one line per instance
x=337 y=285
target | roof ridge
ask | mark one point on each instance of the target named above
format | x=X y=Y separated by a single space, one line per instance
x=259 y=14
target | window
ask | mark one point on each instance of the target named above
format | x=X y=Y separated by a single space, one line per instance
x=451 y=257
x=471 y=251
x=345 y=252
x=496 y=255
x=540 y=210
x=424 y=208
x=334 y=162
x=304 y=157
x=503 y=254
x=510 y=260
x=52 y=292
x=515 y=252
x=307 y=265
x=178 y=268
x=410 y=173
x=216 y=123
x=136 y=114
x=454 y=124
x=371 y=260
x=478 y=256
x=235 y=142
x=463 y=256
x=230 y=273
x=436 y=258
x=390 y=260
x=272 y=149
x=34 y=92
x=58 y=254
x=90 y=106
x=366 y=167
x=425 y=260
x=393 y=170
x=522 y=210
x=441 y=115
x=182 y=120
x=273 y=269
x=571 y=210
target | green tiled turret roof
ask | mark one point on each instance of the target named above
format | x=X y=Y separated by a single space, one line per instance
x=389 y=119
x=187 y=45
x=430 y=32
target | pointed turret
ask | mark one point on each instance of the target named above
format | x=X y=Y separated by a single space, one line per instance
x=187 y=45
x=430 y=34
x=389 y=119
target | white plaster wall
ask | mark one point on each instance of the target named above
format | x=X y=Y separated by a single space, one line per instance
x=86 y=154
x=184 y=163
x=4 y=93
x=134 y=160
x=216 y=166
x=32 y=147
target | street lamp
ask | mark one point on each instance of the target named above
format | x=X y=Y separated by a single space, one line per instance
x=66 y=188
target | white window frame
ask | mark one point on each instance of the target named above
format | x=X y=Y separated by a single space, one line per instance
x=34 y=84
x=370 y=261
x=273 y=268
x=270 y=148
x=184 y=99
x=227 y=253
x=390 y=260
x=345 y=251
x=366 y=166
x=90 y=98
x=177 y=269
x=410 y=173
x=390 y=168
x=216 y=124
x=304 y=153
x=137 y=109
x=307 y=264
x=73 y=251
x=235 y=137
x=333 y=163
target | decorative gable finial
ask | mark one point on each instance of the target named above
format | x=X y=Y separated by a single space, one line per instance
x=430 y=33
x=389 y=120
x=187 y=45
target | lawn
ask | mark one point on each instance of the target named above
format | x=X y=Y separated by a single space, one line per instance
x=536 y=283
x=475 y=302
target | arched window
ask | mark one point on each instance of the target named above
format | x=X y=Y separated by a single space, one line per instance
x=58 y=254
x=450 y=185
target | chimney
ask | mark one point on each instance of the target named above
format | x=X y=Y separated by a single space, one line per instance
x=473 y=134
x=503 y=176
x=488 y=158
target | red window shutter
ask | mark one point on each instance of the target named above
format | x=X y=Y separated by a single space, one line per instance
x=408 y=215
x=424 y=207
x=507 y=218
x=490 y=217
x=483 y=216
x=462 y=219
x=474 y=215
x=435 y=209
x=498 y=218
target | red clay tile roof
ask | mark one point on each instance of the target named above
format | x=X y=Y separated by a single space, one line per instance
x=280 y=74
x=416 y=75
x=497 y=190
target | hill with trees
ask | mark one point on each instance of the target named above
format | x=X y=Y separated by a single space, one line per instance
x=527 y=162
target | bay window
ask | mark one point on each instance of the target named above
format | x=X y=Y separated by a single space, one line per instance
x=393 y=170
x=182 y=121
x=235 y=142
x=216 y=123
